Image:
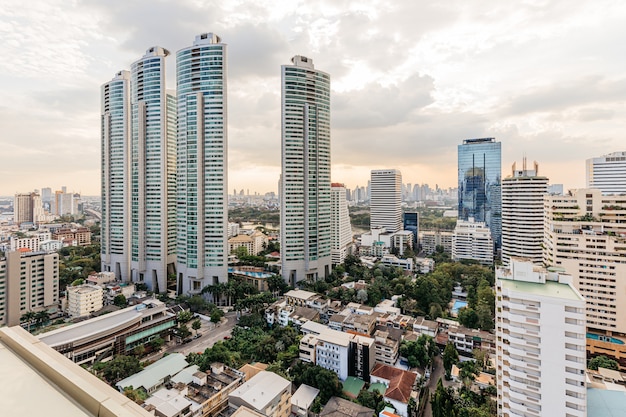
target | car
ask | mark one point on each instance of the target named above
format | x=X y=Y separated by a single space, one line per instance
x=186 y=341
x=227 y=337
x=197 y=335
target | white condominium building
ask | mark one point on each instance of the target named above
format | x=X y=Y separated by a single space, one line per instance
x=522 y=214
x=607 y=173
x=305 y=220
x=202 y=198
x=540 y=342
x=341 y=229
x=585 y=233
x=115 y=135
x=83 y=300
x=472 y=240
x=386 y=200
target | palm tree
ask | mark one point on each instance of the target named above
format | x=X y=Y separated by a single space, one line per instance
x=28 y=317
x=42 y=317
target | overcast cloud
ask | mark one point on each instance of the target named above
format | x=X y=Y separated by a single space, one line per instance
x=410 y=80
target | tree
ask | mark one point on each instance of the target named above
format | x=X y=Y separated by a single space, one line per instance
x=484 y=316
x=602 y=362
x=42 y=317
x=373 y=400
x=316 y=376
x=481 y=357
x=450 y=357
x=28 y=317
x=468 y=317
x=184 y=316
x=120 y=301
x=195 y=325
x=183 y=331
x=420 y=352
x=442 y=402
x=157 y=343
x=216 y=315
x=118 y=368
x=468 y=371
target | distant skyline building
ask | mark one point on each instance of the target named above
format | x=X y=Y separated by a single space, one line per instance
x=153 y=172
x=607 y=173
x=202 y=170
x=480 y=172
x=115 y=174
x=411 y=223
x=386 y=200
x=305 y=225
x=522 y=214
x=27 y=208
x=540 y=342
x=341 y=229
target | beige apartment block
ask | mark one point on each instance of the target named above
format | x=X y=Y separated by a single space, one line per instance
x=83 y=300
x=585 y=233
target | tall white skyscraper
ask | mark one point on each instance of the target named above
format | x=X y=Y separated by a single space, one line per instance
x=341 y=229
x=386 y=199
x=522 y=214
x=607 y=173
x=202 y=192
x=152 y=172
x=305 y=197
x=115 y=149
x=540 y=342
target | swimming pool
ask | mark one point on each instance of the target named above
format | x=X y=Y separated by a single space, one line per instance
x=458 y=304
x=603 y=338
x=252 y=274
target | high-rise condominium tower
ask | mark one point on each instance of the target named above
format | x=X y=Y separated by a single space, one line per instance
x=386 y=200
x=152 y=172
x=540 y=341
x=522 y=214
x=341 y=230
x=607 y=173
x=202 y=196
x=479 y=183
x=115 y=149
x=305 y=194
x=27 y=208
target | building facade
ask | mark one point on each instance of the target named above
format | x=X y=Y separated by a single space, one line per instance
x=305 y=221
x=522 y=214
x=153 y=172
x=29 y=281
x=585 y=233
x=341 y=229
x=607 y=173
x=540 y=339
x=202 y=198
x=480 y=172
x=83 y=300
x=472 y=240
x=115 y=174
x=386 y=200
x=27 y=208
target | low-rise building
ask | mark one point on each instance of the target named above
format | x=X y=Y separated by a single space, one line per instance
x=80 y=235
x=266 y=393
x=211 y=389
x=82 y=300
x=302 y=400
x=430 y=239
x=387 y=348
x=156 y=375
x=394 y=261
x=338 y=407
x=400 y=386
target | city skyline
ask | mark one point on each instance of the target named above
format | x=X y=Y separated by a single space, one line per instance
x=541 y=79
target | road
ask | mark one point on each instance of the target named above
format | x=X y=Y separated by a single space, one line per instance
x=437 y=372
x=210 y=334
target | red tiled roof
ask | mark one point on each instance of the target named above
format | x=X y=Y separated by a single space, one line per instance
x=400 y=382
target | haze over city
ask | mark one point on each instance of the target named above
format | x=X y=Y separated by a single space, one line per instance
x=410 y=81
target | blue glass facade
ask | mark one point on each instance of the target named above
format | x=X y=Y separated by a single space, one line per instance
x=411 y=223
x=480 y=172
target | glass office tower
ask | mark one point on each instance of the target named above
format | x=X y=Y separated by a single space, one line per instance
x=480 y=172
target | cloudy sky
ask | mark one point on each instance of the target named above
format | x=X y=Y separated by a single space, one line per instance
x=410 y=80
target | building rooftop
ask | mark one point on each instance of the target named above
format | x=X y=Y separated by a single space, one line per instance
x=549 y=289
x=302 y=294
x=304 y=396
x=244 y=411
x=261 y=389
x=36 y=381
x=338 y=407
x=605 y=403
x=186 y=375
x=400 y=382
x=153 y=374
x=168 y=402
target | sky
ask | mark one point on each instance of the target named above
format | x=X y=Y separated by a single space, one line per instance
x=410 y=80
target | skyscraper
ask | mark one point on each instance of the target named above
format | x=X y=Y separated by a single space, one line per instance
x=479 y=183
x=607 y=173
x=202 y=196
x=115 y=150
x=27 y=208
x=152 y=172
x=305 y=195
x=540 y=343
x=386 y=200
x=522 y=214
x=341 y=230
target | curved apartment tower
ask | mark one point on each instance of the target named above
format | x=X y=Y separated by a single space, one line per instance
x=115 y=151
x=202 y=200
x=152 y=172
x=305 y=225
